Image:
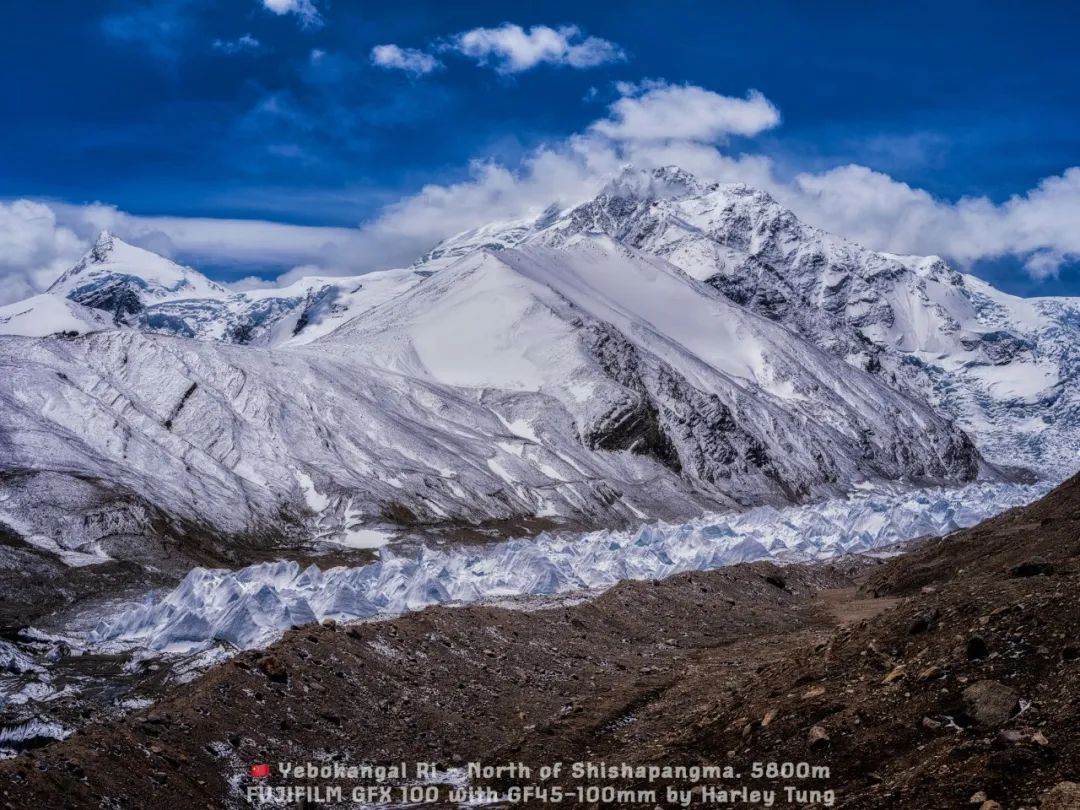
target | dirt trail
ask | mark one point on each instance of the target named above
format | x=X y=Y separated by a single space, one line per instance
x=851 y=606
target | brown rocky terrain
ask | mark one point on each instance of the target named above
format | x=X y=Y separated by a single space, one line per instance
x=946 y=677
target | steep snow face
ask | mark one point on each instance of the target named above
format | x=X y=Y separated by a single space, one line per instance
x=1006 y=368
x=253 y=606
x=589 y=383
x=113 y=435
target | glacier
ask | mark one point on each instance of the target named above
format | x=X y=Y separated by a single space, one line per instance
x=251 y=607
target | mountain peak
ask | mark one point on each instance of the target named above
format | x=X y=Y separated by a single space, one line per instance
x=103 y=245
x=112 y=262
x=666 y=182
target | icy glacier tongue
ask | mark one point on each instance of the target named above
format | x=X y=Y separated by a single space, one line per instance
x=252 y=606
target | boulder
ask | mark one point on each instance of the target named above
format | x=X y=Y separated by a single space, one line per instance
x=1062 y=796
x=1035 y=567
x=990 y=703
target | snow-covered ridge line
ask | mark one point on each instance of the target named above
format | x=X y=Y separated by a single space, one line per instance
x=253 y=606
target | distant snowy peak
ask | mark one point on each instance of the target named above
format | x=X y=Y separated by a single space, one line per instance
x=117 y=277
x=117 y=285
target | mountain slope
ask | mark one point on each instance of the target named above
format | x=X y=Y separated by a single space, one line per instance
x=551 y=383
x=1006 y=368
x=644 y=357
x=46 y=314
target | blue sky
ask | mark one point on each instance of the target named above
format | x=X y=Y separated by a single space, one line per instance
x=171 y=120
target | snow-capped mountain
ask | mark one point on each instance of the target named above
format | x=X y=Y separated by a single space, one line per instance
x=124 y=280
x=666 y=347
x=118 y=285
x=588 y=382
x=1007 y=368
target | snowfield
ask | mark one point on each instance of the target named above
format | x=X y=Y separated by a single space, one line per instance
x=253 y=606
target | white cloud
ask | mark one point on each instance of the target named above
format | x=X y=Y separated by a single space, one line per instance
x=305 y=10
x=244 y=242
x=657 y=111
x=409 y=60
x=1044 y=264
x=34 y=249
x=511 y=49
x=161 y=27
x=38 y=241
x=1038 y=226
x=239 y=45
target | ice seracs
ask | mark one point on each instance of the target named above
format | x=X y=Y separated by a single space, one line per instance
x=253 y=606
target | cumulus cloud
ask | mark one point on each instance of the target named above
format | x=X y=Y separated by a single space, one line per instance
x=1038 y=226
x=34 y=249
x=239 y=45
x=409 y=60
x=511 y=49
x=241 y=242
x=305 y=10
x=658 y=111
x=38 y=241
